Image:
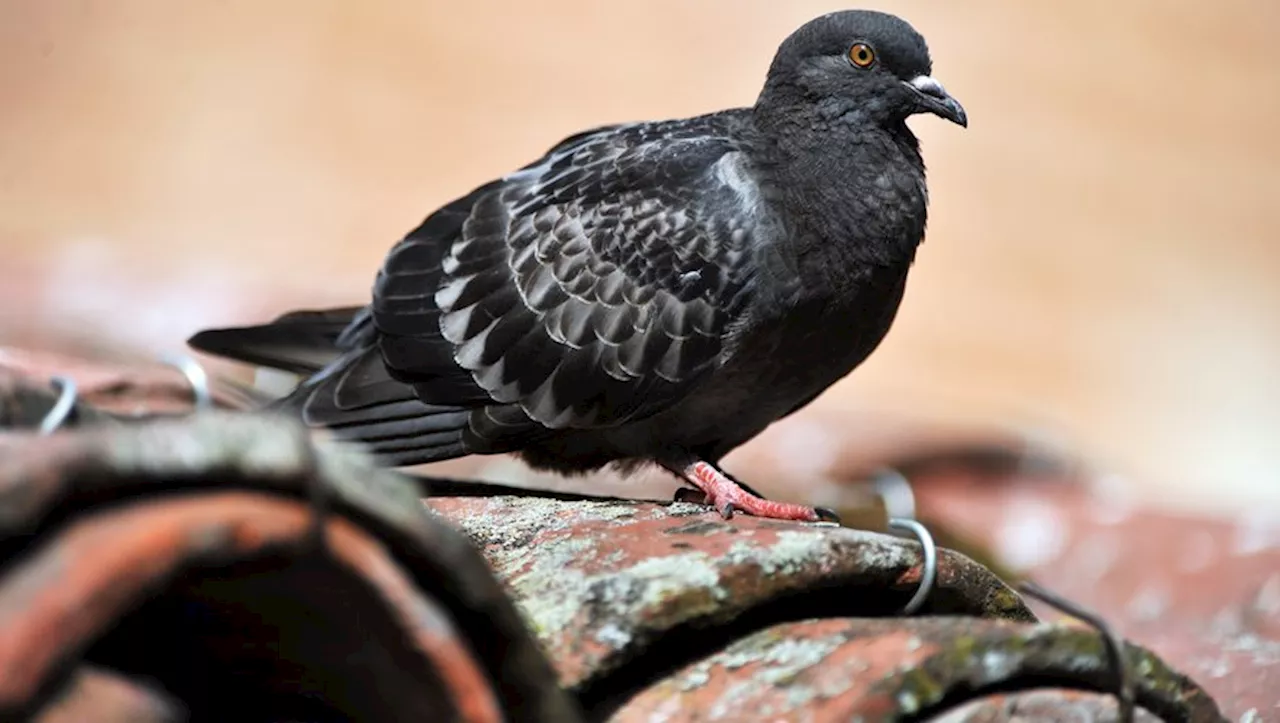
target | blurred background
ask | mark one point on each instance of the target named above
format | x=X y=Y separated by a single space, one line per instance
x=1101 y=266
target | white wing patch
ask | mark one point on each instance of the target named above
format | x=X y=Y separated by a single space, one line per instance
x=730 y=172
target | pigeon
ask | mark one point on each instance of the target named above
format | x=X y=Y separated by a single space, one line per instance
x=644 y=293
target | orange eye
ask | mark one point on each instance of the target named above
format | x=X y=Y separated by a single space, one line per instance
x=862 y=55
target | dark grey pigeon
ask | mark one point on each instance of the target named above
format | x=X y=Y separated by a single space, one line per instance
x=647 y=292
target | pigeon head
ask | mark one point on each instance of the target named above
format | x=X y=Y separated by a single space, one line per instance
x=860 y=66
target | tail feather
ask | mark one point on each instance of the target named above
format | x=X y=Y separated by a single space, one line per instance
x=302 y=342
x=418 y=455
x=357 y=399
x=347 y=386
x=430 y=427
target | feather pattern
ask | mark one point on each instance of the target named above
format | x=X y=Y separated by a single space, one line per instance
x=586 y=290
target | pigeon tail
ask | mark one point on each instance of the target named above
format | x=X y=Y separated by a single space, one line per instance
x=358 y=401
x=301 y=342
x=347 y=387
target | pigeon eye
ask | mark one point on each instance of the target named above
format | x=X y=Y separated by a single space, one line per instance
x=862 y=55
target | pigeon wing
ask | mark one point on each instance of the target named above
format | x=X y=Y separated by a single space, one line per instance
x=589 y=289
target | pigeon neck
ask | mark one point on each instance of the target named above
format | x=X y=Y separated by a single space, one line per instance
x=855 y=194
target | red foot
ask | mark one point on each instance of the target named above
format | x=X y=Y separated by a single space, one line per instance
x=726 y=496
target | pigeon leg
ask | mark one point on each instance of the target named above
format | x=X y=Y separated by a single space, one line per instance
x=725 y=496
x=698 y=497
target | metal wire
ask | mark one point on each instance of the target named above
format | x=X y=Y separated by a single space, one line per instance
x=896 y=493
x=196 y=376
x=1111 y=643
x=899 y=502
x=61 y=409
x=928 y=568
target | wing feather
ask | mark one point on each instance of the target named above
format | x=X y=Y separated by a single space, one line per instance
x=587 y=289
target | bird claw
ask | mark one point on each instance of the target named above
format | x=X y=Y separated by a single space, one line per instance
x=698 y=497
x=726 y=497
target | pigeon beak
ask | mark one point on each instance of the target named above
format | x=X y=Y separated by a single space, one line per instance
x=936 y=100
